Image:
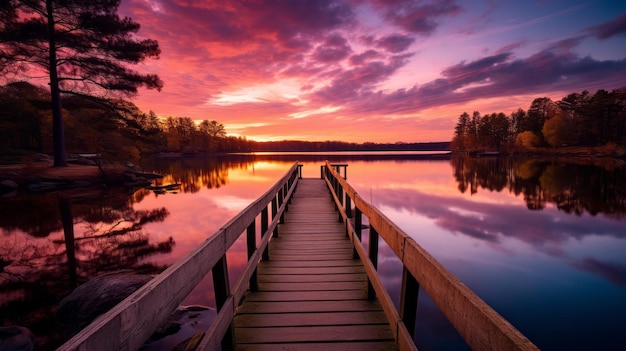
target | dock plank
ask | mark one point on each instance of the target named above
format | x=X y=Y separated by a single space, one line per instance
x=312 y=293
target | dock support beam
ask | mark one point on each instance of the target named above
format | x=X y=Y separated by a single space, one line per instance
x=408 y=300
x=373 y=255
x=221 y=285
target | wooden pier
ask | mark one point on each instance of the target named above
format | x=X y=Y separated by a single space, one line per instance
x=310 y=283
x=312 y=292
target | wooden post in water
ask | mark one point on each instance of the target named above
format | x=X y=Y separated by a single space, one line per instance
x=264 y=226
x=339 y=193
x=251 y=241
x=280 y=203
x=221 y=286
x=373 y=255
x=274 y=212
x=358 y=227
x=408 y=300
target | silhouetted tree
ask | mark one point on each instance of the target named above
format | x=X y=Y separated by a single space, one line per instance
x=83 y=45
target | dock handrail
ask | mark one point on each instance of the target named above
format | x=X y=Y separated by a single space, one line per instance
x=477 y=323
x=130 y=323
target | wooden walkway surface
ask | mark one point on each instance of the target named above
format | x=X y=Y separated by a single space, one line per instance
x=312 y=294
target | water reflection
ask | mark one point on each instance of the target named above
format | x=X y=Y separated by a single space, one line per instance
x=549 y=272
x=558 y=274
x=573 y=188
x=50 y=244
x=195 y=173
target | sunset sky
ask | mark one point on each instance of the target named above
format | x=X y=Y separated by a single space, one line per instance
x=372 y=70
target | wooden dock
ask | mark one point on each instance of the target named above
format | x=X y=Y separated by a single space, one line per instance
x=310 y=283
x=312 y=293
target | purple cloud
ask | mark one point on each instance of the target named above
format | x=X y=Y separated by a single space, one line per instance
x=395 y=43
x=335 y=48
x=416 y=16
x=501 y=75
x=358 y=81
x=610 y=29
x=365 y=57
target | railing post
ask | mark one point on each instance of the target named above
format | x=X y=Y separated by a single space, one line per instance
x=251 y=240
x=348 y=206
x=339 y=193
x=373 y=255
x=264 y=226
x=280 y=203
x=274 y=213
x=221 y=286
x=408 y=300
x=286 y=188
x=358 y=227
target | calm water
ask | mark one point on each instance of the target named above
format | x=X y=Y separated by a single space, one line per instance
x=543 y=243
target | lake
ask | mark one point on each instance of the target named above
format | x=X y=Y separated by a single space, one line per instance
x=541 y=241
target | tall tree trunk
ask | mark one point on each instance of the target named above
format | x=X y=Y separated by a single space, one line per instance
x=58 y=133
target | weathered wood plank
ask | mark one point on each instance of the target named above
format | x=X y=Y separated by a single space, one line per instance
x=343 y=346
x=314 y=333
x=299 y=278
x=309 y=257
x=307 y=295
x=318 y=263
x=329 y=286
x=309 y=306
x=312 y=270
x=310 y=319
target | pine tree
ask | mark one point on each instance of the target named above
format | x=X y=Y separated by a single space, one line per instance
x=84 y=47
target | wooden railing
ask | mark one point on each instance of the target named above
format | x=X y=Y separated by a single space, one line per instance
x=479 y=325
x=130 y=323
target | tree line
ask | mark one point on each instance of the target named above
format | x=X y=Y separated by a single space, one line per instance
x=114 y=128
x=323 y=146
x=118 y=129
x=578 y=119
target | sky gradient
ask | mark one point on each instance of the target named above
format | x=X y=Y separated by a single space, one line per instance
x=372 y=70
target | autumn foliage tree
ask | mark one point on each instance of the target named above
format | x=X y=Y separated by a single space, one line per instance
x=579 y=119
x=83 y=46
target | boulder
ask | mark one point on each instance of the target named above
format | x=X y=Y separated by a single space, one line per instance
x=16 y=338
x=94 y=298
x=8 y=186
x=182 y=330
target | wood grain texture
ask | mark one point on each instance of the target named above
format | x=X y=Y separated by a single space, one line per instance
x=312 y=294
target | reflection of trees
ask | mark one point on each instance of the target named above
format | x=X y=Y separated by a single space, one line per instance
x=573 y=188
x=194 y=173
x=100 y=234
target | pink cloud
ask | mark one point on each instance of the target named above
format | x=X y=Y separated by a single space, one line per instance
x=331 y=58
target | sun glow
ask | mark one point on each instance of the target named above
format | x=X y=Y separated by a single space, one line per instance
x=284 y=91
x=326 y=109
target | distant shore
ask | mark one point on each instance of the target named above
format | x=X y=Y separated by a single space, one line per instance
x=39 y=175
